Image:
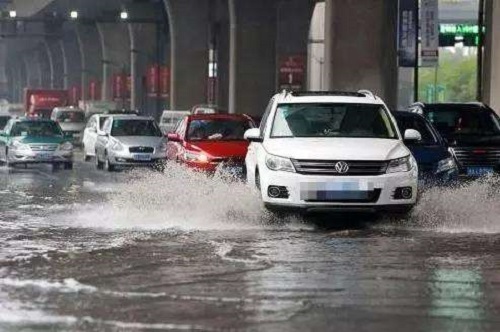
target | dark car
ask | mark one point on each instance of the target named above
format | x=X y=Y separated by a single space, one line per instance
x=3 y=120
x=472 y=131
x=436 y=164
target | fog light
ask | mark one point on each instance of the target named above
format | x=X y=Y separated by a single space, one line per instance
x=403 y=193
x=277 y=192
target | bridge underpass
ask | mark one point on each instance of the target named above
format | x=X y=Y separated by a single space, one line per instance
x=246 y=40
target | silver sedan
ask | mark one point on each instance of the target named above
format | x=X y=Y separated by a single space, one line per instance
x=128 y=141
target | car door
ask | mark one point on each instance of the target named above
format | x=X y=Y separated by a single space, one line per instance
x=89 y=136
x=102 y=139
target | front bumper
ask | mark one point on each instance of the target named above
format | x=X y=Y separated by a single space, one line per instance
x=382 y=190
x=39 y=157
x=127 y=159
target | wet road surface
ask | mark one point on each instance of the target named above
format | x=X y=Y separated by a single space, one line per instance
x=84 y=250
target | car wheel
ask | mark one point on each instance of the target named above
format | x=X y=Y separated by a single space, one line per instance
x=68 y=166
x=108 y=166
x=86 y=157
x=98 y=163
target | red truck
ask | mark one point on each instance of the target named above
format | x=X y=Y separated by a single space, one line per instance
x=41 y=102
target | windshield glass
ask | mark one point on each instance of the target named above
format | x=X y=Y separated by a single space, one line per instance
x=171 y=118
x=419 y=124
x=217 y=129
x=452 y=123
x=3 y=121
x=36 y=128
x=133 y=127
x=102 y=120
x=333 y=120
x=70 y=116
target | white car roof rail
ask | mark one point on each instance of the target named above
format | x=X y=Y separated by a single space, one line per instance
x=367 y=93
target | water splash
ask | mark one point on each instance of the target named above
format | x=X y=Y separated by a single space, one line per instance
x=470 y=207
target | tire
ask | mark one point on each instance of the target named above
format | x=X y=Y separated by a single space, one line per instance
x=108 y=166
x=98 y=163
x=257 y=180
x=86 y=158
x=68 y=166
x=6 y=163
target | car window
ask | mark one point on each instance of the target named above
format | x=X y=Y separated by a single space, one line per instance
x=333 y=120
x=3 y=121
x=419 y=124
x=35 y=128
x=217 y=129
x=70 y=116
x=454 y=122
x=134 y=127
x=102 y=121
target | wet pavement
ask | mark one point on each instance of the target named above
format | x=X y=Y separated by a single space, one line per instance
x=84 y=250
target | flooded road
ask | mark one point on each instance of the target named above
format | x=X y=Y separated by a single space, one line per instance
x=84 y=250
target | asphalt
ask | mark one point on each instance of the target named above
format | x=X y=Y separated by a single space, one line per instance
x=85 y=250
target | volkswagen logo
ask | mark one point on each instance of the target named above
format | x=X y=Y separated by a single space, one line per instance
x=342 y=167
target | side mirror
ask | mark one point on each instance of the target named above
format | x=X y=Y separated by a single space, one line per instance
x=173 y=137
x=412 y=136
x=253 y=135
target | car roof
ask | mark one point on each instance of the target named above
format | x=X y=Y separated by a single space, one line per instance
x=68 y=109
x=32 y=119
x=446 y=106
x=219 y=116
x=312 y=97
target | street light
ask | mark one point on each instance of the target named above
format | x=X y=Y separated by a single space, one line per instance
x=124 y=15
x=73 y=14
x=12 y=14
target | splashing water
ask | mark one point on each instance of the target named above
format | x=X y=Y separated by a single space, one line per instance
x=471 y=207
x=177 y=198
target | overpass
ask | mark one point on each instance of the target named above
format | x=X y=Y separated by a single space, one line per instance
x=155 y=54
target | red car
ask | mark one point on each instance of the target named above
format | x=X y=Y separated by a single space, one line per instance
x=208 y=141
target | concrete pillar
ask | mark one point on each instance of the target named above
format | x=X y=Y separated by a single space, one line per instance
x=360 y=46
x=115 y=45
x=491 y=69
x=91 y=55
x=252 y=55
x=55 y=55
x=220 y=25
x=294 y=22
x=188 y=23
x=71 y=61
x=44 y=66
x=50 y=58
x=33 y=70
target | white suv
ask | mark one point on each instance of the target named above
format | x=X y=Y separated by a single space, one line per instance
x=321 y=151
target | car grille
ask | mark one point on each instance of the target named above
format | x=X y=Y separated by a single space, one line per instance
x=141 y=149
x=477 y=156
x=327 y=167
x=44 y=147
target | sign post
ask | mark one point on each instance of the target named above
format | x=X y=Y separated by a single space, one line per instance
x=430 y=33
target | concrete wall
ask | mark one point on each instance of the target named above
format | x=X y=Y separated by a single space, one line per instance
x=491 y=70
x=252 y=56
x=91 y=55
x=360 y=46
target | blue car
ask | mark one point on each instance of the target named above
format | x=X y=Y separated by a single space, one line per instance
x=435 y=162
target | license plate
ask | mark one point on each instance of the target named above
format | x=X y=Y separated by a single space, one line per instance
x=142 y=157
x=479 y=171
x=44 y=156
x=335 y=190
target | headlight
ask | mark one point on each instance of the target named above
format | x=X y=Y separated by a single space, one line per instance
x=117 y=146
x=20 y=146
x=195 y=157
x=400 y=165
x=446 y=165
x=276 y=163
x=162 y=147
x=67 y=146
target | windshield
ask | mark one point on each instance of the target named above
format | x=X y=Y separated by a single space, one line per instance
x=3 y=121
x=333 y=120
x=133 y=127
x=36 y=128
x=217 y=129
x=102 y=120
x=419 y=124
x=70 y=117
x=171 y=118
x=458 y=122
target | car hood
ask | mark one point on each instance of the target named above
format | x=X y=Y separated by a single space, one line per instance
x=429 y=154
x=67 y=126
x=41 y=140
x=337 y=148
x=152 y=141
x=221 y=149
